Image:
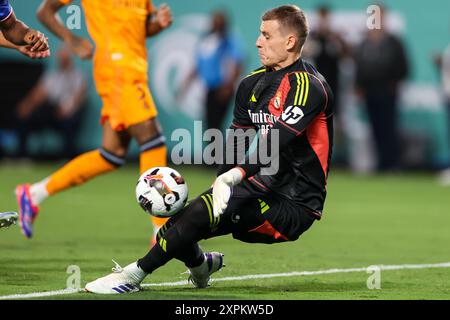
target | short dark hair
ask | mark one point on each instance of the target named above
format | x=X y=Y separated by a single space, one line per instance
x=291 y=17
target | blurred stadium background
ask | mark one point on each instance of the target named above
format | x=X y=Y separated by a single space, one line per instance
x=401 y=218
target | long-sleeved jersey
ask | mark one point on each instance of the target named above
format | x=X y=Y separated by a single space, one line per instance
x=294 y=100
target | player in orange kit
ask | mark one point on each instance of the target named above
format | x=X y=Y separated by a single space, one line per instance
x=119 y=29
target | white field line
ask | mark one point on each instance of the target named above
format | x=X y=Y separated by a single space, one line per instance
x=39 y=294
x=246 y=277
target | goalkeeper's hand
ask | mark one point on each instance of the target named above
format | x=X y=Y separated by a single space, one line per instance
x=222 y=189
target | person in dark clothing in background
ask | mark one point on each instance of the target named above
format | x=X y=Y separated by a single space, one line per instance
x=442 y=62
x=325 y=48
x=381 y=64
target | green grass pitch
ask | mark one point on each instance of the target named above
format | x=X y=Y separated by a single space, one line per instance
x=379 y=220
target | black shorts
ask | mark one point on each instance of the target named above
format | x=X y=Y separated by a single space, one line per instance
x=258 y=218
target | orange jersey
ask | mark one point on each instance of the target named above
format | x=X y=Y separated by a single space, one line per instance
x=118 y=28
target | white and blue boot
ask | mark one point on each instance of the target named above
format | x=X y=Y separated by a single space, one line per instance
x=122 y=280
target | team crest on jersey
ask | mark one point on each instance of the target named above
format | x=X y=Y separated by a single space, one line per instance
x=278 y=101
x=292 y=115
x=276 y=104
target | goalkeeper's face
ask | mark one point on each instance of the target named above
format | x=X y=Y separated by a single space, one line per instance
x=274 y=44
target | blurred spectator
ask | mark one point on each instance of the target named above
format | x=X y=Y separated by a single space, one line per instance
x=381 y=64
x=325 y=48
x=219 y=62
x=55 y=102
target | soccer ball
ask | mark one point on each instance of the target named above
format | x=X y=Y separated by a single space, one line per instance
x=161 y=192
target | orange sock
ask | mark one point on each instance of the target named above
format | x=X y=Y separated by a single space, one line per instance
x=156 y=157
x=81 y=169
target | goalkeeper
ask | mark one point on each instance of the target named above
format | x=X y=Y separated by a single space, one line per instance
x=288 y=102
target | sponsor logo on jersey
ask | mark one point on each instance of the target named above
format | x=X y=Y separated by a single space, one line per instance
x=262 y=117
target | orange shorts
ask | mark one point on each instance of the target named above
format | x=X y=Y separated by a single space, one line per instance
x=127 y=104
